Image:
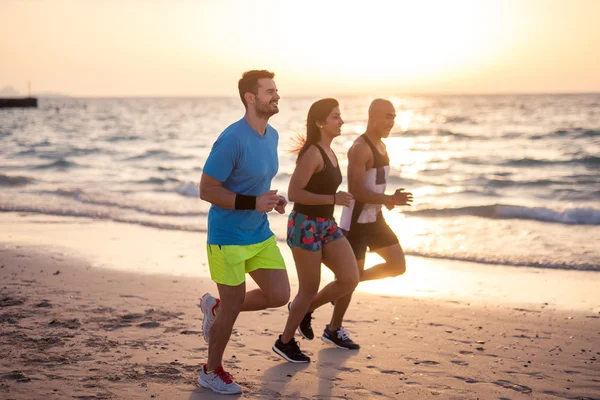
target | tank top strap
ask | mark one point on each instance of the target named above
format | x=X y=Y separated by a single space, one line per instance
x=371 y=145
x=326 y=159
x=378 y=158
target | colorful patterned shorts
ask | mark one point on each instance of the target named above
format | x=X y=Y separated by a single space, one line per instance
x=311 y=233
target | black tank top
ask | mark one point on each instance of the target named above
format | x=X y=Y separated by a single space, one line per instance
x=326 y=181
x=379 y=160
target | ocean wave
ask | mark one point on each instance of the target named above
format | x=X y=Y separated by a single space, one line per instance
x=123 y=138
x=13 y=181
x=433 y=132
x=61 y=164
x=576 y=133
x=584 y=160
x=500 y=259
x=514 y=262
x=568 y=216
x=484 y=181
x=57 y=155
x=99 y=215
x=585 y=179
x=84 y=198
x=158 y=154
x=189 y=189
x=588 y=161
x=457 y=119
x=157 y=181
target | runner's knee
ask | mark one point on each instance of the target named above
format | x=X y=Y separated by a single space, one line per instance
x=232 y=304
x=308 y=292
x=349 y=282
x=398 y=265
x=278 y=297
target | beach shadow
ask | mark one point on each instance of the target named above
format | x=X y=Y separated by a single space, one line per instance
x=207 y=394
x=201 y=393
x=278 y=376
x=330 y=363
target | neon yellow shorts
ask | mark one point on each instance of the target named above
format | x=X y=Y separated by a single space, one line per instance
x=229 y=264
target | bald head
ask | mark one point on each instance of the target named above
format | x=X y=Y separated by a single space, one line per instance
x=381 y=106
x=381 y=117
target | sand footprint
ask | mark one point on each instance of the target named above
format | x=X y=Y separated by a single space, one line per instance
x=467 y=380
x=514 y=386
x=426 y=362
x=152 y=324
x=391 y=371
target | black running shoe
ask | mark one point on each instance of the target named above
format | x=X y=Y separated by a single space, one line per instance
x=339 y=338
x=305 y=329
x=290 y=351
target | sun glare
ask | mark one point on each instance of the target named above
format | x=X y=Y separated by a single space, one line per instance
x=400 y=40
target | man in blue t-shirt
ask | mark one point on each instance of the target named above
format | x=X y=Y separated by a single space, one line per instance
x=236 y=180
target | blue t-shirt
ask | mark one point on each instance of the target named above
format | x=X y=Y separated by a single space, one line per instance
x=245 y=162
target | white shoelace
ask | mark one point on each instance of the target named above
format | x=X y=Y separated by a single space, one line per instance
x=343 y=334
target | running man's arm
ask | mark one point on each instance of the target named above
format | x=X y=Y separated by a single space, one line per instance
x=359 y=156
x=212 y=190
x=309 y=163
x=219 y=165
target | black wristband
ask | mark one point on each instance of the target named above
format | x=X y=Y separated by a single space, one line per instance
x=243 y=202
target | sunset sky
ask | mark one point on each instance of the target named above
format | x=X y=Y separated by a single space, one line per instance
x=316 y=47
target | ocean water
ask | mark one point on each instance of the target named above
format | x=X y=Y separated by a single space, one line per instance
x=511 y=180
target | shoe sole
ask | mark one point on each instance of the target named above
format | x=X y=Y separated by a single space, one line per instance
x=204 y=318
x=323 y=338
x=206 y=386
x=281 y=354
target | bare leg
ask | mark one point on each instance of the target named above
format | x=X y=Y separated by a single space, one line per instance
x=339 y=258
x=394 y=265
x=342 y=304
x=274 y=290
x=232 y=298
x=308 y=265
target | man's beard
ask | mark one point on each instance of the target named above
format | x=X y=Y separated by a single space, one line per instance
x=266 y=110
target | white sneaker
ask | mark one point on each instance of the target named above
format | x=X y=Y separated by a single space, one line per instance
x=219 y=381
x=207 y=304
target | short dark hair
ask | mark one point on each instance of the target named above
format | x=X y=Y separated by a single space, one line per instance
x=249 y=82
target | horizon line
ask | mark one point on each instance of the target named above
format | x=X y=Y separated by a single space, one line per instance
x=415 y=94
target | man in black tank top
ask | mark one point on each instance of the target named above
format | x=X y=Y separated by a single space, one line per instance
x=362 y=221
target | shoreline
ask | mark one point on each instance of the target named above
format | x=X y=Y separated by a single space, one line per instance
x=146 y=250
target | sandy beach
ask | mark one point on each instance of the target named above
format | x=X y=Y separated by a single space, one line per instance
x=102 y=310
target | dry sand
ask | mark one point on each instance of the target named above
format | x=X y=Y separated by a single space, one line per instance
x=72 y=329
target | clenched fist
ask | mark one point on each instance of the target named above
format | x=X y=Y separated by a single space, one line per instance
x=267 y=201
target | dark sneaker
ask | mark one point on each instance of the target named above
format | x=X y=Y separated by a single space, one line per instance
x=290 y=351
x=305 y=329
x=339 y=338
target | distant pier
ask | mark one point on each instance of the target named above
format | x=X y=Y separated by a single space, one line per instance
x=18 y=102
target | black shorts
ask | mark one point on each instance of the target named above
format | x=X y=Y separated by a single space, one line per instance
x=375 y=235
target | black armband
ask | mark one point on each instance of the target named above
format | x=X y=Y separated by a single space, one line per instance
x=243 y=202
